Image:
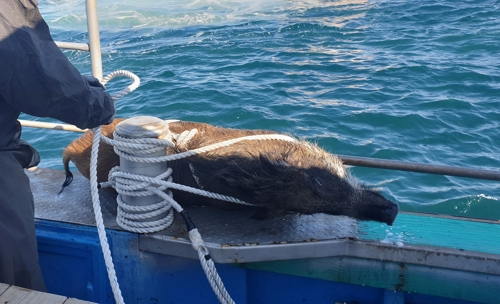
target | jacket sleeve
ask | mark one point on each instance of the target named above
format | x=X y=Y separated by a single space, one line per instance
x=36 y=77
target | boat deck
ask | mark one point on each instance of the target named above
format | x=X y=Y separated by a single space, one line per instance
x=17 y=295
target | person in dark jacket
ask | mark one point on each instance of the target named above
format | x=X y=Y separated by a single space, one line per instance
x=35 y=78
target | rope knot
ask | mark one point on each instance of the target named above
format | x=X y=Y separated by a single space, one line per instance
x=183 y=139
x=197 y=242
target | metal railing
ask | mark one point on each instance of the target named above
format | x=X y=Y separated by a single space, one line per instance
x=50 y=125
x=420 y=167
x=94 y=45
x=347 y=160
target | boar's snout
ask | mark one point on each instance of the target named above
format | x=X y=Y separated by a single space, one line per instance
x=374 y=207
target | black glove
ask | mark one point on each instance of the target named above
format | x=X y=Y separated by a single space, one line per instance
x=111 y=108
x=93 y=82
x=103 y=109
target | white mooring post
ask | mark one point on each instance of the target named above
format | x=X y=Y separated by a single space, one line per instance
x=144 y=127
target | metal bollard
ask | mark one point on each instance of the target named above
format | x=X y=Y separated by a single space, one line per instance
x=143 y=127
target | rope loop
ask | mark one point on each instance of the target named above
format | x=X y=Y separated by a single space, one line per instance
x=135 y=82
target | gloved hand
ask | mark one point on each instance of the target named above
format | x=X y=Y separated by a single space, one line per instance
x=109 y=104
x=105 y=112
x=93 y=82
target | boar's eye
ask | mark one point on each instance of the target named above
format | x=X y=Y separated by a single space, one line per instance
x=318 y=181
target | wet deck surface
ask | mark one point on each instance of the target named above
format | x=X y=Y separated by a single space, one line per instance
x=17 y=295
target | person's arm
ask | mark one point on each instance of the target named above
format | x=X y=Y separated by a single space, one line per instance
x=36 y=77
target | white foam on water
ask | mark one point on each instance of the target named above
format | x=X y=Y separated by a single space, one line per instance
x=487 y=197
x=393 y=238
x=178 y=13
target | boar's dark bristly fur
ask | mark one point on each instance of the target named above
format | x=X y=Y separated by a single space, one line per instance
x=277 y=176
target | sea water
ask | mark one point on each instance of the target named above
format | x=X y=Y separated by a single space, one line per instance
x=414 y=81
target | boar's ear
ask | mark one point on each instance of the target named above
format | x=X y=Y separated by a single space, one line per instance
x=272 y=166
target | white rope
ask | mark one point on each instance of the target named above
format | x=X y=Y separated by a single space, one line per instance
x=183 y=138
x=108 y=260
x=143 y=143
x=130 y=88
x=223 y=144
x=209 y=267
x=99 y=222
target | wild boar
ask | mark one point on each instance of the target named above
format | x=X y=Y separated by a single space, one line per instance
x=276 y=176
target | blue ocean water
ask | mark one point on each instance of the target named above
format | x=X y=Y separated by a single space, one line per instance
x=404 y=80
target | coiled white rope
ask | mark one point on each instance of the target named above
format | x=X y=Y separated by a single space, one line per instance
x=108 y=260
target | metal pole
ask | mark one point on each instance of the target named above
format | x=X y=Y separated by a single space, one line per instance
x=419 y=167
x=73 y=46
x=49 y=125
x=94 y=40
